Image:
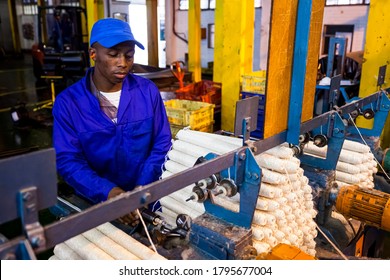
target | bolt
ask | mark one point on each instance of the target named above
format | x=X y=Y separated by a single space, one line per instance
x=255 y=176
x=145 y=198
x=37 y=241
x=27 y=196
x=248 y=175
x=31 y=208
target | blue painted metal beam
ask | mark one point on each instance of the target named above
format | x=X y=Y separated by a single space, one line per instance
x=301 y=46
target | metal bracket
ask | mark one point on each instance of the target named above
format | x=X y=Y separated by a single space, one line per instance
x=334 y=92
x=381 y=75
x=246 y=174
x=246 y=117
x=381 y=108
x=335 y=132
x=28 y=211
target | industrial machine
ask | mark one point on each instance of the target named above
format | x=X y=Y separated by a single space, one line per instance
x=62 y=49
x=236 y=171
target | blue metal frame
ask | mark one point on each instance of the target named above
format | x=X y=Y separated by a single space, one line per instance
x=299 y=70
x=381 y=107
x=334 y=41
x=246 y=173
x=335 y=130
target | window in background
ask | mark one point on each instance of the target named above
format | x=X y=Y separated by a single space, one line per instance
x=208 y=4
x=337 y=31
x=210 y=35
x=30 y=7
x=346 y=2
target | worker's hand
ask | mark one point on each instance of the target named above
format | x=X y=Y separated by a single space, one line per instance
x=132 y=218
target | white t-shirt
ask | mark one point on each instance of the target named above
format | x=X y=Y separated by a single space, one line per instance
x=113 y=97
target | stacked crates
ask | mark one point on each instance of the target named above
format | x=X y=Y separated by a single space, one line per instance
x=204 y=91
x=186 y=113
x=255 y=86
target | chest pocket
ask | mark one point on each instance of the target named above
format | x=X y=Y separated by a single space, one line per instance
x=138 y=137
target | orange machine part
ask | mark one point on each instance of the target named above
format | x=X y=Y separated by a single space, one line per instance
x=366 y=205
x=285 y=252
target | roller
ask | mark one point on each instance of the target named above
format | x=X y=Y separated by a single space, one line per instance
x=203 y=140
x=217 y=137
x=108 y=245
x=86 y=249
x=174 y=167
x=190 y=149
x=273 y=178
x=182 y=158
x=347 y=167
x=261 y=247
x=280 y=152
x=276 y=164
x=355 y=146
x=129 y=243
x=64 y=252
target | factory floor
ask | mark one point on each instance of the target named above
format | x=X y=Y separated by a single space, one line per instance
x=20 y=90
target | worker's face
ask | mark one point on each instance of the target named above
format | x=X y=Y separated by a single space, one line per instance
x=113 y=64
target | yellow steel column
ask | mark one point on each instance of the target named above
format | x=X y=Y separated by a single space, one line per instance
x=376 y=54
x=247 y=35
x=233 y=33
x=280 y=58
x=317 y=15
x=151 y=9
x=14 y=26
x=95 y=11
x=42 y=22
x=194 y=50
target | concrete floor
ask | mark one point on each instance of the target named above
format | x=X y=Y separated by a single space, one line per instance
x=17 y=86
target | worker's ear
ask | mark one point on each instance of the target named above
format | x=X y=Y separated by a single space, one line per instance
x=92 y=53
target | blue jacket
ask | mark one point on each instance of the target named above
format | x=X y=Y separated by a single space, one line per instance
x=94 y=154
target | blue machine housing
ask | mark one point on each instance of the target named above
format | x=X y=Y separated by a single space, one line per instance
x=226 y=237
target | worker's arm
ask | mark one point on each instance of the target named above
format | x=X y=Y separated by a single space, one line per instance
x=152 y=167
x=71 y=162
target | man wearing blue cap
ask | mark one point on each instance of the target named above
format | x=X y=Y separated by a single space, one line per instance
x=111 y=132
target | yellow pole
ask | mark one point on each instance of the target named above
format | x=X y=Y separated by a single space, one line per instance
x=280 y=58
x=194 y=63
x=317 y=15
x=14 y=26
x=376 y=54
x=247 y=34
x=95 y=11
x=232 y=34
x=151 y=9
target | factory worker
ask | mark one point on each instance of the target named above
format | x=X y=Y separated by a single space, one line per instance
x=111 y=131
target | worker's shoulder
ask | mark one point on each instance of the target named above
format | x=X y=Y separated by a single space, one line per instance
x=143 y=82
x=72 y=92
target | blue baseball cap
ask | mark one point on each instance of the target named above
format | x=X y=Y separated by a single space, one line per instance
x=109 y=32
